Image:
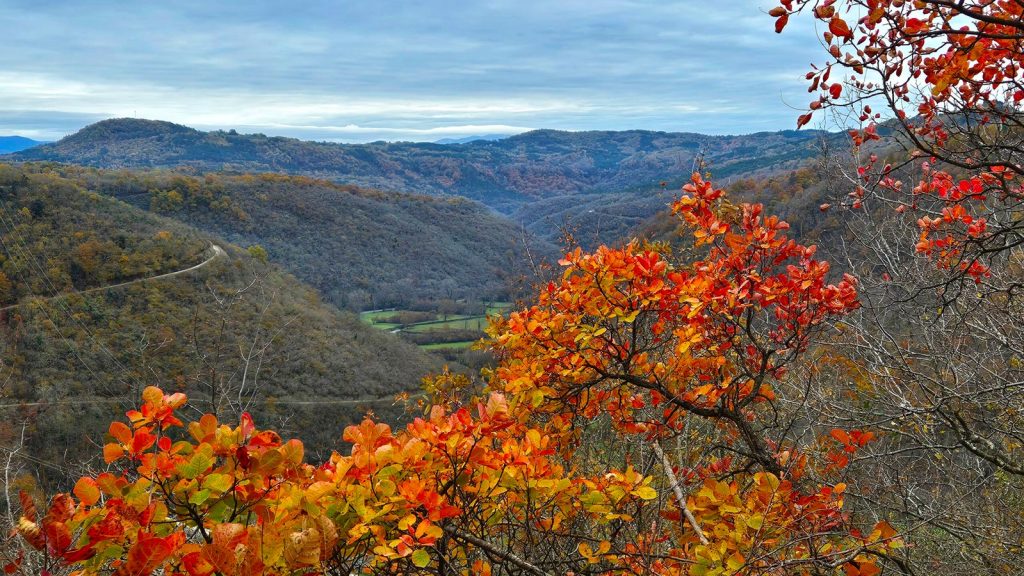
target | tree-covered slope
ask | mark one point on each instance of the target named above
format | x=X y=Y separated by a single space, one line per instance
x=360 y=248
x=237 y=334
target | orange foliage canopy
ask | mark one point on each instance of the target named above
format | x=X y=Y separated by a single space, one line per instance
x=501 y=481
x=951 y=74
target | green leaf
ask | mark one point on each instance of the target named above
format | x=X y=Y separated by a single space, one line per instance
x=199 y=462
x=218 y=483
x=199 y=497
x=270 y=461
x=421 y=558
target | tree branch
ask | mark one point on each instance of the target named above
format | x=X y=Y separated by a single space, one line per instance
x=504 y=554
x=673 y=483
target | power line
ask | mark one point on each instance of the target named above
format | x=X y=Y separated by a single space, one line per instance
x=316 y=402
x=56 y=327
x=58 y=296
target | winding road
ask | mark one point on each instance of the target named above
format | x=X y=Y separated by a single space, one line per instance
x=216 y=250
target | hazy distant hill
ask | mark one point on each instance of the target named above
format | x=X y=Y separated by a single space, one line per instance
x=360 y=248
x=503 y=174
x=10 y=144
x=468 y=139
x=595 y=218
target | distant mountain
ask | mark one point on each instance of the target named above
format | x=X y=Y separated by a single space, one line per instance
x=9 y=144
x=468 y=139
x=504 y=174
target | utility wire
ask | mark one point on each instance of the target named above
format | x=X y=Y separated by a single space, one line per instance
x=27 y=256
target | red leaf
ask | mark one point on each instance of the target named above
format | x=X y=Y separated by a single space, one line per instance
x=58 y=537
x=79 y=555
x=28 y=506
x=841 y=436
x=147 y=554
x=781 y=22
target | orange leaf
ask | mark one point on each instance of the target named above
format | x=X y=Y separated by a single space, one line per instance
x=87 y=491
x=839 y=27
x=147 y=555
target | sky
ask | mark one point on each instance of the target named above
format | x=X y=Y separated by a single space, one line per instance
x=364 y=70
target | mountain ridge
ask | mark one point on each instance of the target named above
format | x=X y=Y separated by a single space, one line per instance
x=468 y=139
x=503 y=174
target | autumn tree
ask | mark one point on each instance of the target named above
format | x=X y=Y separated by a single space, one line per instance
x=941 y=380
x=949 y=76
x=934 y=353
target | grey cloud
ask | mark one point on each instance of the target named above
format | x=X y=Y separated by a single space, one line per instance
x=624 y=64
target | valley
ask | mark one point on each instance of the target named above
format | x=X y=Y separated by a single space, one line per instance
x=448 y=330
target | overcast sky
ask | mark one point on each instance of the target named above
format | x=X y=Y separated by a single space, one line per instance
x=361 y=70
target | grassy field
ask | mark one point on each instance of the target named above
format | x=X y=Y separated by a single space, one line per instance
x=466 y=323
x=498 y=308
x=440 y=325
x=448 y=345
x=372 y=316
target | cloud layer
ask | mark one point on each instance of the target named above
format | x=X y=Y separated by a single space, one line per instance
x=366 y=70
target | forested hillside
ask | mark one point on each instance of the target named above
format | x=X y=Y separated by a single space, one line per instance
x=503 y=174
x=360 y=249
x=236 y=334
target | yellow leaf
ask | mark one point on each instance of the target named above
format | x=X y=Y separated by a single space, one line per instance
x=645 y=493
x=404 y=523
x=303 y=548
x=755 y=521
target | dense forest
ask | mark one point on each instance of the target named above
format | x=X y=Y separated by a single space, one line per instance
x=361 y=249
x=238 y=334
